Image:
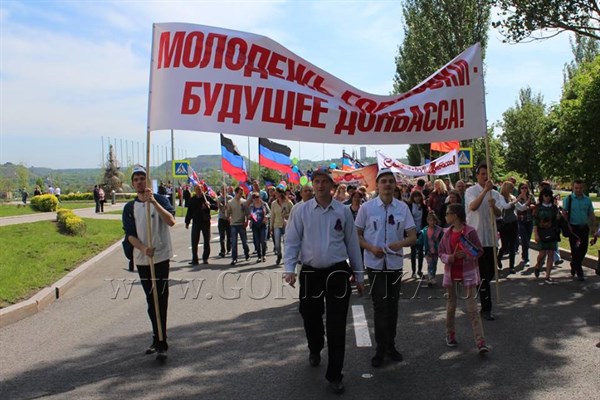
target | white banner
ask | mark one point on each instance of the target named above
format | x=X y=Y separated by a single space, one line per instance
x=217 y=80
x=447 y=164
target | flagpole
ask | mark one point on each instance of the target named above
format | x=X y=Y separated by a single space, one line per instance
x=148 y=214
x=489 y=171
x=258 y=142
x=249 y=162
x=173 y=202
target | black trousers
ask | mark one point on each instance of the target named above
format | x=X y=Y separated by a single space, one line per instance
x=385 y=293
x=198 y=227
x=224 y=233
x=326 y=290
x=509 y=234
x=578 y=253
x=486 y=272
x=162 y=285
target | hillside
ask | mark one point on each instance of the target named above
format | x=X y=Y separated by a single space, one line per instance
x=14 y=177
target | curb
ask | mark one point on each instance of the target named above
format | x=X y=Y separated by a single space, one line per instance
x=565 y=254
x=48 y=295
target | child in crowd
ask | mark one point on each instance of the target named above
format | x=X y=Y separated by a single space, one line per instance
x=546 y=232
x=429 y=238
x=419 y=211
x=459 y=250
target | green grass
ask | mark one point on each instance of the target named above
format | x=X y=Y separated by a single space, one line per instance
x=35 y=255
x=11 y=210
x=72 y=205
x=592 y=250
x=118 y=212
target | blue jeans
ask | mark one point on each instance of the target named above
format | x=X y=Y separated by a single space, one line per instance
x=259 y=236
x=241 y=230
x=277 y=235
x=525 y=232
x=432 y=265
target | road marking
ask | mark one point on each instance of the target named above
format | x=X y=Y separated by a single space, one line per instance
x=361 y=329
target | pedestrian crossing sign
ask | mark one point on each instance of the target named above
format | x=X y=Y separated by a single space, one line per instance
x=180 y=168
x=465 y=157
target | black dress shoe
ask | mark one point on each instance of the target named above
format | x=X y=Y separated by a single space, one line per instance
x=377 y=360
x=233 y=262
x=314 y=359
x=204 y=261
x=395 y=355
x=194 y=262
x=488 y=316
x=336 y=386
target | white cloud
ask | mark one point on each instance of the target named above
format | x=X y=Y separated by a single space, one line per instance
x=72 y=69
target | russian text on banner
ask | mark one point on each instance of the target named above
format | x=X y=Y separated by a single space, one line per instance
x=218 y=80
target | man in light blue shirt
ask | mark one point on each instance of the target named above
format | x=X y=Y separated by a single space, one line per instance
x=578 y=211
x=321 y=234
x=385 y=226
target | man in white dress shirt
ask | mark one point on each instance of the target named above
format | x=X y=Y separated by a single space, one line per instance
x=479 y=199
x=321 y=233
x=385 y=226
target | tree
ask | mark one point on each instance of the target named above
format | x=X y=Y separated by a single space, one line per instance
x=435 y=31
x=496 y=154
x=22 y=177
x=522 y=125
x=519 y=19
x=569 y=149
x=584 y=50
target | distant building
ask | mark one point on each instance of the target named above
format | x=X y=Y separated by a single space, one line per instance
x=363 y=152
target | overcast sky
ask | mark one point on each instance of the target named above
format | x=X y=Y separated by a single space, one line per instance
x=74 y=74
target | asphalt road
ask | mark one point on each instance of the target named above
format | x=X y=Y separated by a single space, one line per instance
x=90 y=343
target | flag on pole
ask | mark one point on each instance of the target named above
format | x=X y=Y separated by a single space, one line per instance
x=467 y=246
x=294 y=176
x=193 y=178
x=232 y=161
x=445 y=147
x=349 y=163
x=274 y=155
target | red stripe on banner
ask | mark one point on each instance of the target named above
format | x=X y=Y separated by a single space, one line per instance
x=235 y=172
x=268 y=163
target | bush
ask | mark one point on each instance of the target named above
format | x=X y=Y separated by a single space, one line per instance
x=44 y=202
x=70 y=223
x=62 y=213
x=77 y=196
x=90 y=196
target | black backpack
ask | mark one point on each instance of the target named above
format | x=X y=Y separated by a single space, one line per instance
x=128 y=247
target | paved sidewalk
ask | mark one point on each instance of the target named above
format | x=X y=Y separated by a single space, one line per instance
x=49 y=216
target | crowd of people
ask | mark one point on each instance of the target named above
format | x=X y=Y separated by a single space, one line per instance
x=331 y=236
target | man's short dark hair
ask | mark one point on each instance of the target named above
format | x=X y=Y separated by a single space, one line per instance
x=578 y=181
x=420 y=182
x=351 y=187
x=481 y=166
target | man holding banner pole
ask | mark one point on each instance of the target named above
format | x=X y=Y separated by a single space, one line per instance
x=147 y=229
x=480 y=201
